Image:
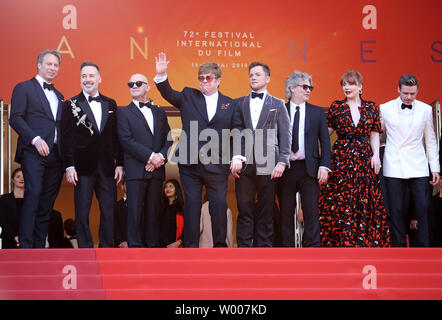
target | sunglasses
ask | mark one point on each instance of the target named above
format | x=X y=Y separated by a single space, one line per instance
x=138 y=84
x=305 y=87
x=207 y=78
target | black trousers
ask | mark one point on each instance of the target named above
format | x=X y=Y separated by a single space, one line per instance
x=42 y=177
x=255 y=196
x=193 y=178
x=105 y=190
x=144 y=198
x=293 y=180
x=402 y=193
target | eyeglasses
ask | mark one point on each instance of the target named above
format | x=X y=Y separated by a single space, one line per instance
x=207 y=78
x=137 y=83
x=305 y=87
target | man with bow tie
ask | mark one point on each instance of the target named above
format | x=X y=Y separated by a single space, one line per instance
x=143 y=130
x=92 y=155
x=410 y=148
x=36 y=108
x=265 y=158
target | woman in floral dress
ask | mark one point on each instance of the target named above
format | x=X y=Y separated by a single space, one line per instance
x=351 y=209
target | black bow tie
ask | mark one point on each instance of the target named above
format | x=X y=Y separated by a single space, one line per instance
x=97 y=98
x=147 y=104
x=409 y=106
x=259 y=95
x=48 y=86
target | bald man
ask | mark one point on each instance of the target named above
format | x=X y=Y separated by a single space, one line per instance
x=143 y=129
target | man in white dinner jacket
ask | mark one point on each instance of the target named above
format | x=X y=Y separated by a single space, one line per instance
x=410 y=148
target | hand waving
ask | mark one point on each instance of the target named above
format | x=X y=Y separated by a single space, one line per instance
x=161 y=63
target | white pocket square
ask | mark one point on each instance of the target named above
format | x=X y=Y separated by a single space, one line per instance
x=110 y=111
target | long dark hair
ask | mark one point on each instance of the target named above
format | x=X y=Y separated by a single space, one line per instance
x=179 y=201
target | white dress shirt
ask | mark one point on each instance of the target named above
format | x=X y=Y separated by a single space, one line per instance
x=256 y=108
x=96 y=109
x=300 y=154
x=53 y=102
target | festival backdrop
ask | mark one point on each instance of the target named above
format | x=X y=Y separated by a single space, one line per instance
x=382 y=39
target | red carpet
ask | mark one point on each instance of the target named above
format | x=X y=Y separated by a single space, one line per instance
x=222 y=274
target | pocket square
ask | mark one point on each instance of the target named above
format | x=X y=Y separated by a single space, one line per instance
x=272 y=110
x=110 y=111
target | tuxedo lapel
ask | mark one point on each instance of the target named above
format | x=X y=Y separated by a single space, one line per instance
x=43 y=99
x=155 y=114
x=60 y=104
x=137 y=113
x=287 y=105
x=264 y=111
x=246 y=112
x=104 y=113
x=84 y=105
x=308 y=115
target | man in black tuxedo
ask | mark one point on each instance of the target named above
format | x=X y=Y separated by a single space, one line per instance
x=143 y=130
x=265 y=157
x=205 y=114
x=308 y=167
x=92 y=155
x=36 y=108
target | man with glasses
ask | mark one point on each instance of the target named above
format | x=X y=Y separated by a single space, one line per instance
x=205 y=113
x=143 y=130
x=308 y=167
x=410 y=148
x=92 y=155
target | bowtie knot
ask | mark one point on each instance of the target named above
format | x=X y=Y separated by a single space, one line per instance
x=404 y=106
x=257 y=95
x=97 y=98
x=48 y=86
x=147 y=105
